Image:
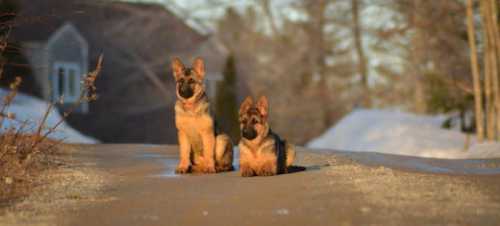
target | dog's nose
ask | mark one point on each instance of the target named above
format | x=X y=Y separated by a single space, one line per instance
x=249 y=133
x=185 y=91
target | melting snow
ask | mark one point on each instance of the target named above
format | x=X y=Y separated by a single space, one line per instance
x=394 y=132
x=33 y=109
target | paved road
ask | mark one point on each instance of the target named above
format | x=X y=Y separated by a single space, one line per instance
x=337 y=188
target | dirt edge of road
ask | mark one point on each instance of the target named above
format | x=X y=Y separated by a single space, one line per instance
x=57 y=189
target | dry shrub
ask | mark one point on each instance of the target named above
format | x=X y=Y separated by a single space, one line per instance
x=21 y=152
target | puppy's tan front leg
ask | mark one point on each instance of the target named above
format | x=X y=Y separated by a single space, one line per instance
x=208 y=140
x=184 y=150
x=246 y=169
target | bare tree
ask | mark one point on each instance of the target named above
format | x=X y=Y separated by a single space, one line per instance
x=496 y=52
x=362 y=64
x=416 y=54
x=488 y=79
x=266 y=8
x=490 y=68
x=316 y=27
x=471 y=32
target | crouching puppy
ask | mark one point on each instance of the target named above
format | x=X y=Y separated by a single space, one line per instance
x=202 y=150
x=262 y=152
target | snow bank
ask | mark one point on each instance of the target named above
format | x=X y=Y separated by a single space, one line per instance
x=33 y=109
x=394 y=132
x=484 y=150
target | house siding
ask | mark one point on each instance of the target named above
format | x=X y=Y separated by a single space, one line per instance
x=66 y=46
x=36 y=54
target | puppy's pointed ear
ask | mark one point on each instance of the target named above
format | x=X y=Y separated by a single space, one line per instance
x=247 y=104
x=177 y=68
x=199 y=68
x=263 y=106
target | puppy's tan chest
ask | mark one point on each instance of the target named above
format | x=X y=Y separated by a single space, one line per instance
x=187 y=123
x=195 y=119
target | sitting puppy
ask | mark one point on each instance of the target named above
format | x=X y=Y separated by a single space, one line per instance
x=202 y=150
x=262 y=152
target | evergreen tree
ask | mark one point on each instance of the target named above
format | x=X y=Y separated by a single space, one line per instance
x=226 y=100
x=8 y=11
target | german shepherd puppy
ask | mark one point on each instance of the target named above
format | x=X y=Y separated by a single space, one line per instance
x=202 y=150
x=262 y=152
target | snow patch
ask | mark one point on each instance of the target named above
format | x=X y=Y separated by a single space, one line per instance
x=484 y=149
x=30 y=108
x=401 y=133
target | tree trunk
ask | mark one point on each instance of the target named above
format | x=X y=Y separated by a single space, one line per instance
x=420 y=104
x=489 y=70
x=266 y=7
x=475 y=72
x=362 y=65
x=416 y=57
x=495 y=58
x=318 y=60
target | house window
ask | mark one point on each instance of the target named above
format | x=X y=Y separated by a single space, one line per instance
x=66 y=81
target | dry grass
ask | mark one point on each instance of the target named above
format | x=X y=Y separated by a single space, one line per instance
x=22 y=154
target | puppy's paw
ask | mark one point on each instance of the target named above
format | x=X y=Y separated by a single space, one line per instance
x=268 y=169
x=196 y=169
x=208 y=166
x=203 y=169
x=223 y=168
x=267 y=173
x=246 y=171
x=208 y=169
x=182 y=169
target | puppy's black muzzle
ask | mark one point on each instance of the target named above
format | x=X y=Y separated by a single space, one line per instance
x=185 y=91
x=249 y=133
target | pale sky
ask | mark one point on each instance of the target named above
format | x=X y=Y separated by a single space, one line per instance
x=205 y=12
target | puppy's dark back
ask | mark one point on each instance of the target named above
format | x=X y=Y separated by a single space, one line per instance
x=280 y=146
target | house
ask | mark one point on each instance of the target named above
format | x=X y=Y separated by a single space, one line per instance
x=62 y=39
x=65 y=54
